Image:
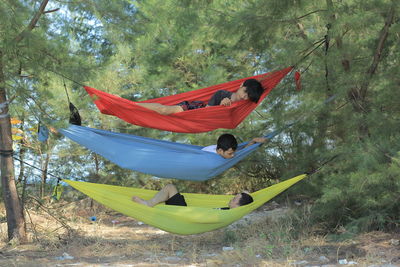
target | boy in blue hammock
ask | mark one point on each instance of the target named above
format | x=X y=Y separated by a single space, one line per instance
x=250 y=89
x=170 y=195
x=227 y=144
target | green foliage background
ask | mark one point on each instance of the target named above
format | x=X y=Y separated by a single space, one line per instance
x=146 y=49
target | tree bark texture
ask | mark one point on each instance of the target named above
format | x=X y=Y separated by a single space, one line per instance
x=14 y=212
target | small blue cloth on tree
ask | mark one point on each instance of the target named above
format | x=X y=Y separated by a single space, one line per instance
x=43 y=133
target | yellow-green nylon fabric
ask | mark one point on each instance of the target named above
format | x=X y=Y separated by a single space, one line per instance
x=198 y=217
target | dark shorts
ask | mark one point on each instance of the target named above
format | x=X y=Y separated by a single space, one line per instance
x=177 y=200
x=189 y=105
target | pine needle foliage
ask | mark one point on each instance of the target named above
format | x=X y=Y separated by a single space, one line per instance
x=147 y=49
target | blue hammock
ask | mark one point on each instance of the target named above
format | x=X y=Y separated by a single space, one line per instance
x=163 y=159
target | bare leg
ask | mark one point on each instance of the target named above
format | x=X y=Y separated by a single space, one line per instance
x=162 y=109
x=163 y=195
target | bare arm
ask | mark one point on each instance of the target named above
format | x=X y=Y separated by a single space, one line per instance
x=257 y=140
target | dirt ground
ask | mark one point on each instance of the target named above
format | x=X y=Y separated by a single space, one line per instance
x=71 y=236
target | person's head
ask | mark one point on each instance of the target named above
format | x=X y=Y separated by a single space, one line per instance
x=250 y=89
x=226 y=146
x=240 y=200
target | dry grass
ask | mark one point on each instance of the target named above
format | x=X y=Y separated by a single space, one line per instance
x=266 y=238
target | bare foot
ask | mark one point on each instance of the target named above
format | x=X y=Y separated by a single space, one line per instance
x=140 y=200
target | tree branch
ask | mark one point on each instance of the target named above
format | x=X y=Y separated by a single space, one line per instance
x=50 y=11
x=272 y=18
x=33 y=22
x=305 y=15
x=378 y=52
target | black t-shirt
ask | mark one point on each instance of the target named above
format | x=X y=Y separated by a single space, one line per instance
x=216 y=99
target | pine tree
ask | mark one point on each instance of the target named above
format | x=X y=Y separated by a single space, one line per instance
x=41 y=43
x=146 y=49
x=183 y=45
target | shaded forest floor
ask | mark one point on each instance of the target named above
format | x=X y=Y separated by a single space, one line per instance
x=63 y=234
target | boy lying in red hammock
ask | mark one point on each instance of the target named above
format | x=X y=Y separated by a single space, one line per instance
x=165 y=113
x=250 y=89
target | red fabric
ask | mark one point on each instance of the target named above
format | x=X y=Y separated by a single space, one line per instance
x=297 y=80
x=191 y=121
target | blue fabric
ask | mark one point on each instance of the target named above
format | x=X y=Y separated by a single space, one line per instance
x=163 y=159
x=43 y=133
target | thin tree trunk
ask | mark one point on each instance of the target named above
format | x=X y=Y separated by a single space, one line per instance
x=323 y=115
x=24 y=182
x=45 y=167
x=21 y=181
x=15 y=215
x=14 y=211
x=33 y=22
x=378 y=53
x=22 y=152
x=96 y=161
x=358 y=94
x=21 y=165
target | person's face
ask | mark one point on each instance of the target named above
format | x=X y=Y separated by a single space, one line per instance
x=234 y=203
x=241 y=93
x=227 y=154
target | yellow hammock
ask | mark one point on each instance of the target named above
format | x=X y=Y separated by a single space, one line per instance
x=198 y=217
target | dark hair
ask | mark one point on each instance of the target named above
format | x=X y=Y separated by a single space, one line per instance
x=245 y=199
x=254 y=89
x=227 y=141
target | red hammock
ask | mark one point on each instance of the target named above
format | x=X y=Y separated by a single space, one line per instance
x=190 y=121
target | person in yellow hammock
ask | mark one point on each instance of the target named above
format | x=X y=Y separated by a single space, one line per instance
x=250 y=89
x=170 y=195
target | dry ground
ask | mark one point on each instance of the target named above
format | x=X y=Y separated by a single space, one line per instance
x=62 y=234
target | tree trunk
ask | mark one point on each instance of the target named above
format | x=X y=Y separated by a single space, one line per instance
x=14 y=212
x=22 y=152
x=358 y=95
x=96 y=161
x=45 y=167
x=21 y=181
